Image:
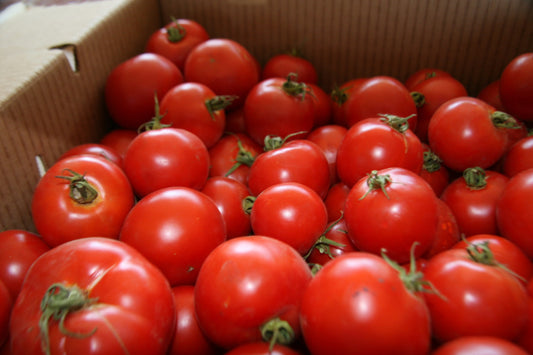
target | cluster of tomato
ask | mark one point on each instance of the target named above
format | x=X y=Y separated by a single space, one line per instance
x=242 y=209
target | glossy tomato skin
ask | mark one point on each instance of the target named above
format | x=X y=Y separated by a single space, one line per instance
x=119 y=139
x=262 y=348
x=423 y=74
x=335 y=199
x=132 y=308
x=323 y=106
x=59 y=218
x=516 y=87
x=526 y=339
x=329 y=138
x=447 y=233
x=281 y=65
x=368 y=295
x=491 y=95
x=340 y=96
x=175 y=228
x=97 y=149
x=130 y=88
x=404 y=212
x=158 y=158
x=290 y=212
x=18 y=250
x=246 y=282
x=470 y=298
x=479 y=345
x=519 y=157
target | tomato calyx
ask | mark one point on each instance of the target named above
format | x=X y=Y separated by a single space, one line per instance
x=218 y=103
x=339 y=96
x=323 y=243
x=475 y=178
x=57 y=302
x=400 y=124
x=244 y=157
x=376 y=181
x=248 y=203
x=275 y=142
x=481 y=253
x=294 y=88
x=418 y=98
x=432 y=162
x=176 y=32
x=277 y=331
x=504 y=120
x=80 y=190
x=155 y=122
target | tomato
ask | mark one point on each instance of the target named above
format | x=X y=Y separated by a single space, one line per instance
x=354 y=305
x=335 y=199
x=18 y=250
x=433 y=171
x=367 y=100
x=281 y=65
x=447 y=234
x=249 y=288
x=262 y=348
x=119 y=139
x=279 y=107
x=228 y=195
x=300 y=161
x=81 y=196
x=97 y=149
x=516 y=87
x=471 y=287
x=331 y=244
x=519 y=157
x=423 y=74
x=323 y=105
x=466 y=132
x=195 y=108
x=358 y=154
x=6 y=303
x=479 y=345
x=176 y=39
x=92 y=296
x=166 y=157
x=514 y=209
x=175 y=228
x=526 y=339
x=491 y=95
x=393 y=208
x=130 y=88
x=339 y=98
x=235 y=121
x=329 y=138
x=188 y=338
x=472 y=199
x=225 y=66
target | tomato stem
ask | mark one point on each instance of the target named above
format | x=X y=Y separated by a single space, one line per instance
x=504 y=120
x=243 y=157
x=155 y=122
x=277 y=331
x=218 y=103
x=375 y=181
x=400 y=124
x=294 y=88
x=80 y=190
x=248 y=203
x=274 y=142
x=475 y=178
x=323 y=243
x=418 y=98
x=339 y=96
x=176 y=32
x=432 y=162
x=481 y=253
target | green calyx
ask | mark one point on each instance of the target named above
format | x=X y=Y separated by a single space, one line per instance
x=243 y=157
x=481 y=253
x=275 y=142
x=175 y=32
x=418 y=98
x=277 y=331
x=324 y=244
x=475 y=178
x=80 y=190
x=376 y=181
x=155 y=122
x=432 y=162
x=248 y=204
x=218 y=103
x=400 y=124
x=339 y=96
x=294 y=88
x=504 y=120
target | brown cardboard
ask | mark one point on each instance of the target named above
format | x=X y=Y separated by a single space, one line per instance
x=46 y=107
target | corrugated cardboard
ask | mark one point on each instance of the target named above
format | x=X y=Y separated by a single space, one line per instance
x=46 y=107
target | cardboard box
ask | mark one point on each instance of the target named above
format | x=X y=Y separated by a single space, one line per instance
x=48 y=104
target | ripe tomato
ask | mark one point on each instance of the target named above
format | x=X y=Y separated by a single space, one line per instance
x=223 y=65
x=472 y=199
x=93 y=296
x=81 y=196
x=250 y=288
x=335 y=199
x=516 y=87
x=447 y=234
x=176 y=39
x=291 y=212
x=526 y=339
x=329 y=138
x=130 y=88
x=392 y=209
x=331 y=244
x=119 y=139
x=479 y=345
x=491 y=95
x=514 y=209
x=166 y=157
x=18 y=250
x=281 y=65
x=175 y=228
x=6 y=303
x=519 y=157
x=433 y=171
x=339 y=98
x=354 y=304
x=423 y=74
x=97 y=149
x=262 y=348
x=358 y=154
x=323 y=106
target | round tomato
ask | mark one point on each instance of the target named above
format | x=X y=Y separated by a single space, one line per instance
x=335 y=199
x=516 y=87
x=491 y=95
x=331 y=244
x=130 y=88
x=479 y=345
x=262 y=348
x=81 y=196
x=281 y=65
x=340 y=97
x=6 y=303
x=249 y=288
x=447 y=234
x=175 y=228
x=119 y=139
x=323 y=106
x=329 y=138
x=519 y=157
x=526 y=339
x=423 y=74
x=101 y=150
x=434 y=172
x=93 y=296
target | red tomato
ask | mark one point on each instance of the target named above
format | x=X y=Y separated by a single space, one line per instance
x=331 y=244
x=119 y=139
x=299 y=161
x=93 y=296
x=472 y=199
x=176 y=39
x=479 y=345
x=228 y=195
x=519 y=157
x=281 y=65
x=159 y=158
x=466 y=132
x=235 y=121
x=514 y=210
x=290 y=212
x=175 y=228
x=526 y=339
x=323 y=106
x=447 y=233
x=516 y=87
x=340 y=96
x=354 y=305
x=279 y=107
x=97 y=149
x=262 y=348
x=81 y=196
x=491 y=95
x=368 y=100
x=223 y=65
x=249 y=288
x=434 y=172
x=464 y=306
x=6 y=303
x=329 y=138
x=130 y=88
x=18 y=250
x=358 y=154
x=195 y=108
x=188 y=338
x=335 y=199
x=393 y=208
x=423 y=74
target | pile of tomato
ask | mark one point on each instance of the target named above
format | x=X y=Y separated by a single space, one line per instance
x=240 y=208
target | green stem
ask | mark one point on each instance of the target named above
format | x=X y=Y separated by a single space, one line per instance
x=218 y=103
x=432 y=162
x=244 y=157
x=481 y=253
x=375 y=181
x=274 y=142
x=277 y=331
x=80 y=190
x=294 y=88
x=418 y=98
x=155 y=122
x=475 y=178
x=400 y=124
x=248 y=204
x=176 y=32
x=504 y=120
x=323 y=243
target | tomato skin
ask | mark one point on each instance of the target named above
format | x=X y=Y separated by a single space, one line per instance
x=519 y=157
x=339 y=98
x=97 y=149
x=479 y=345
x=323 y=106
x=111 y=272
x=335 y=199
x=262 y=348
x=367 y=294
x=329 y=138
x=281 y=65
x=119 y=139
x=491 y=95
x=156 y=159
x=433 y=171
x=6 y=303
x=244 y=283
x=58 y=218
x=447 y=234
x=471 y=298
x=130 y=88
x=423 y=74
x=177 y=49
x=516 y=87
x=175 y=228
x=406 y=214
x=526 y=339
